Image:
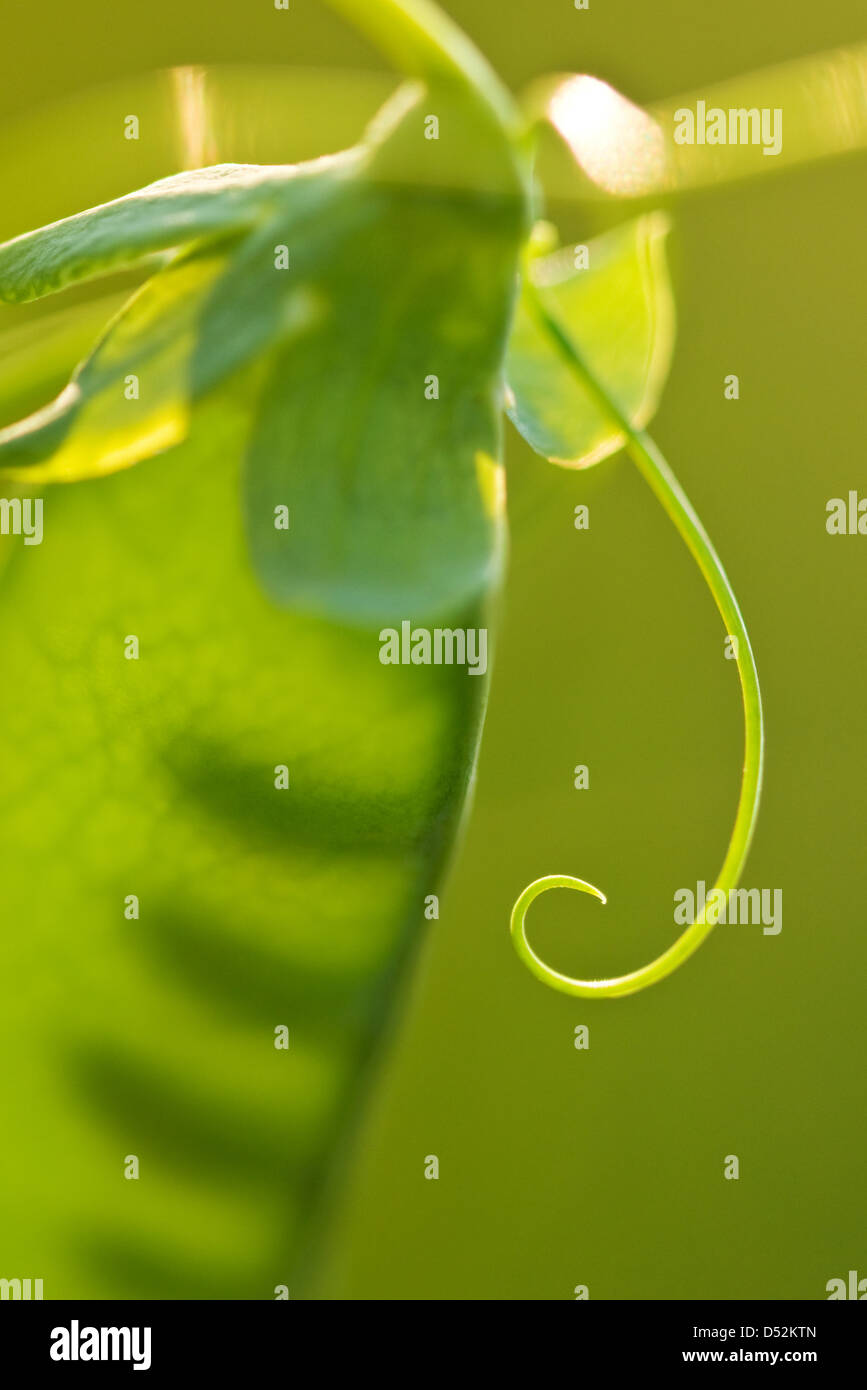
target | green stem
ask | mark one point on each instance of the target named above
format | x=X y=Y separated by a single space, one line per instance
x=424 y=43
x=667 y=489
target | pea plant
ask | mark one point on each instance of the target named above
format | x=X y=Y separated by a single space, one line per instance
x=286 y=441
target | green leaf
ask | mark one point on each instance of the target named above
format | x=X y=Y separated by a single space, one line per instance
x=129 y=399
x=133 y=396
x=382 y=342
x=423 y=42
x=39 y=354
x=619 y=313
x=258 y=907
x=395 y=495
x=172 y=212
x=379 y=424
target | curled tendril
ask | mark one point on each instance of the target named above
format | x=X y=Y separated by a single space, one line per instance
x=665 y=486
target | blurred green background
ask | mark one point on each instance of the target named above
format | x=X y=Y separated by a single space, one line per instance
x=560 y=1167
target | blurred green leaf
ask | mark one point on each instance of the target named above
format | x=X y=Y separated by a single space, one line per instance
x=172 y=212
x=96 y=425
x=39 y=354
x=101 y=421
x=259 y=906
x=378 y=313
x=379 y=426
x=619 y=313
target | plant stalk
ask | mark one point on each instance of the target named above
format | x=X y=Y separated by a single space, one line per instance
x=674 y=500
x=423 y=42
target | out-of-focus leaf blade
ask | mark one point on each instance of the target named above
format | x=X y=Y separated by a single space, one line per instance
x=190 y=117
x=37 y=357
x=101 y=421
x=96 y=425
x=379 y=422
x=422 y=41
x=259 y=907
x=619 y=312
x=395 y=496
x=195 y=206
